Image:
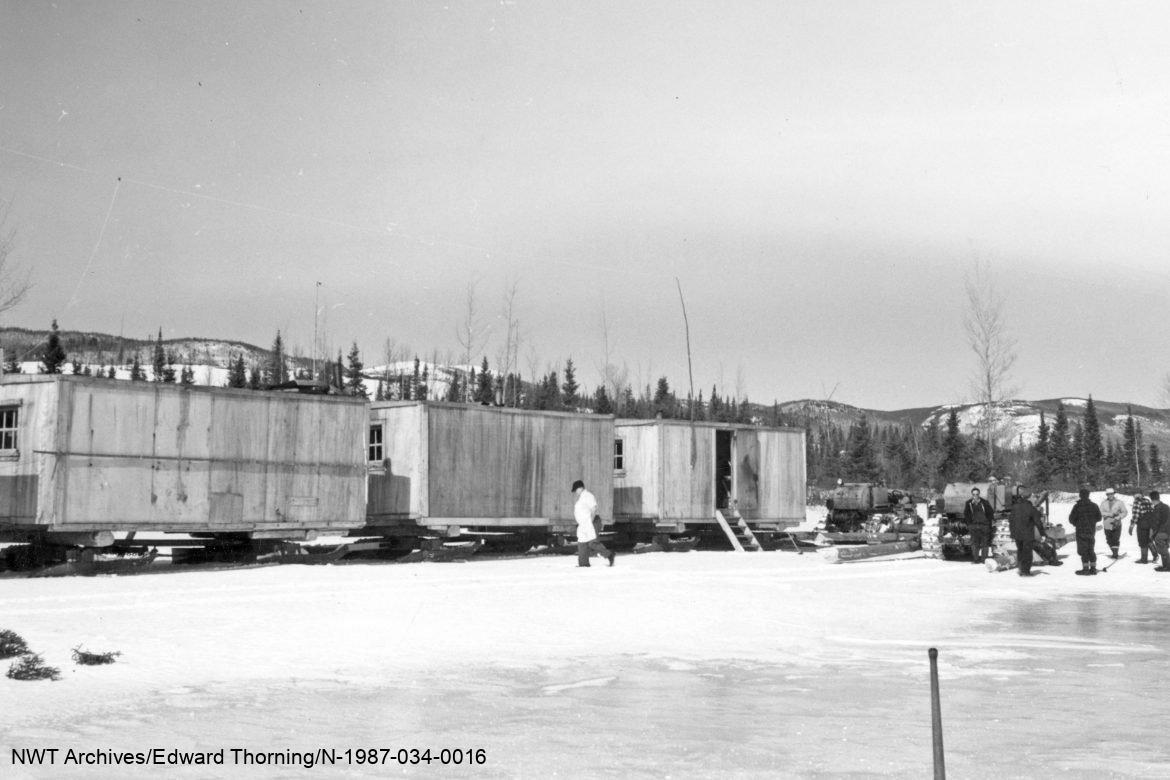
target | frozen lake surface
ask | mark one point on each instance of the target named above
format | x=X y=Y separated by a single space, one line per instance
x=686 y=665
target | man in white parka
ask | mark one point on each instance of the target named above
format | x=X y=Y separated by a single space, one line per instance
x=584 y=511
x=1112 y=513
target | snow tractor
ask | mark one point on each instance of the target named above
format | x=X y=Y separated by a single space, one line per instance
x=945 y=533
x=867 y=508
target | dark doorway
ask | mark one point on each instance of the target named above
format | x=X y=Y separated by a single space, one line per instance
x=723 y=469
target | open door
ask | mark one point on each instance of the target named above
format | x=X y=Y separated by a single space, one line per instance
x=723 y=469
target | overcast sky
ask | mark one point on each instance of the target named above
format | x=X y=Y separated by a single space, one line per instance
x=818 y=175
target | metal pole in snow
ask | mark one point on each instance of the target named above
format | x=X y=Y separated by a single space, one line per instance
x=940 y=769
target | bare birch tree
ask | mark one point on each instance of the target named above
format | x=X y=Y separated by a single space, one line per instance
x=610 y=378
x=995 y=351
x=533 y=360
x=508 y=357
x=471 y=333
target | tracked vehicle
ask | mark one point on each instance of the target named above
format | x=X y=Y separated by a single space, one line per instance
x=945 y=533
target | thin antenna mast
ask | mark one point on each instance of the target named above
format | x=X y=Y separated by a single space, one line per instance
x=690 y=371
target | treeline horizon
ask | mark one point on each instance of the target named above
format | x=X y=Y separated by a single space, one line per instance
x=1068 y=455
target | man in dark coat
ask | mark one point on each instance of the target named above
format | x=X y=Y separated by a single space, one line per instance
x=979 y=516
x=1084 y=517
x=1026 y=522
x=1141 y=519
x=1160 y=529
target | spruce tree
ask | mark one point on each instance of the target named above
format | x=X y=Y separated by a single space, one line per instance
x=255 y=380
x=1059 y=454
x=664 y=401
x=275 y=370
x=111 y=374
x=169 y=368
x=552 y=393
x=1155 y=464
x=54 y=355
x=484 y=393
x=601 y=404
x=380 y=393
x=1129 y=450
x=1077 y=453
x=1041 y=465
x=930 y=454
x=158 y=359
x=1117 y=472
x=569 y=386
x=423 y=383
x=1094 y=451
x=862 y=463
x=629 y=404
x=75 y=367
x=136 y=372
x=353 y=373
x=415 y=379
x=953 y=447
x=237 y=372
x=1142 y=467
x=454 y=391
x=187 y=376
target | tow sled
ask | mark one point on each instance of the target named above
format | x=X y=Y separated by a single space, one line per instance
x=846 y=553
x=85 y=563
x=665 y=544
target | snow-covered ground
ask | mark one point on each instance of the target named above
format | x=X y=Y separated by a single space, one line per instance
x=684 y=665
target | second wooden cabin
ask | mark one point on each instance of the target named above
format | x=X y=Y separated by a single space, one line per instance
x=447 y=467
x=672 y=474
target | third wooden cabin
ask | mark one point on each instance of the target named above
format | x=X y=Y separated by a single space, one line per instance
x=674 y=473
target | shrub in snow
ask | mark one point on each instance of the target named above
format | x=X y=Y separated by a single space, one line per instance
x=11 y=644
x=86 y=658
x=32 y=667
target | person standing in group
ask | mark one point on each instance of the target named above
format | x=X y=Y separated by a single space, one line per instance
x=979 y=516
x=1140 y=518
x=1113 y=511
x=1084 y=517
x=1160 y=529
x=584 y=512
x=1026 y=521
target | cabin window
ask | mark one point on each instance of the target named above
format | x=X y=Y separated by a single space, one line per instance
x=619 y=455
x=375 y=448
x=9 y=416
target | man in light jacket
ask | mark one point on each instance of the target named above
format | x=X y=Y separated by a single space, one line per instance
x=1113 y=511
x=584 y=512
